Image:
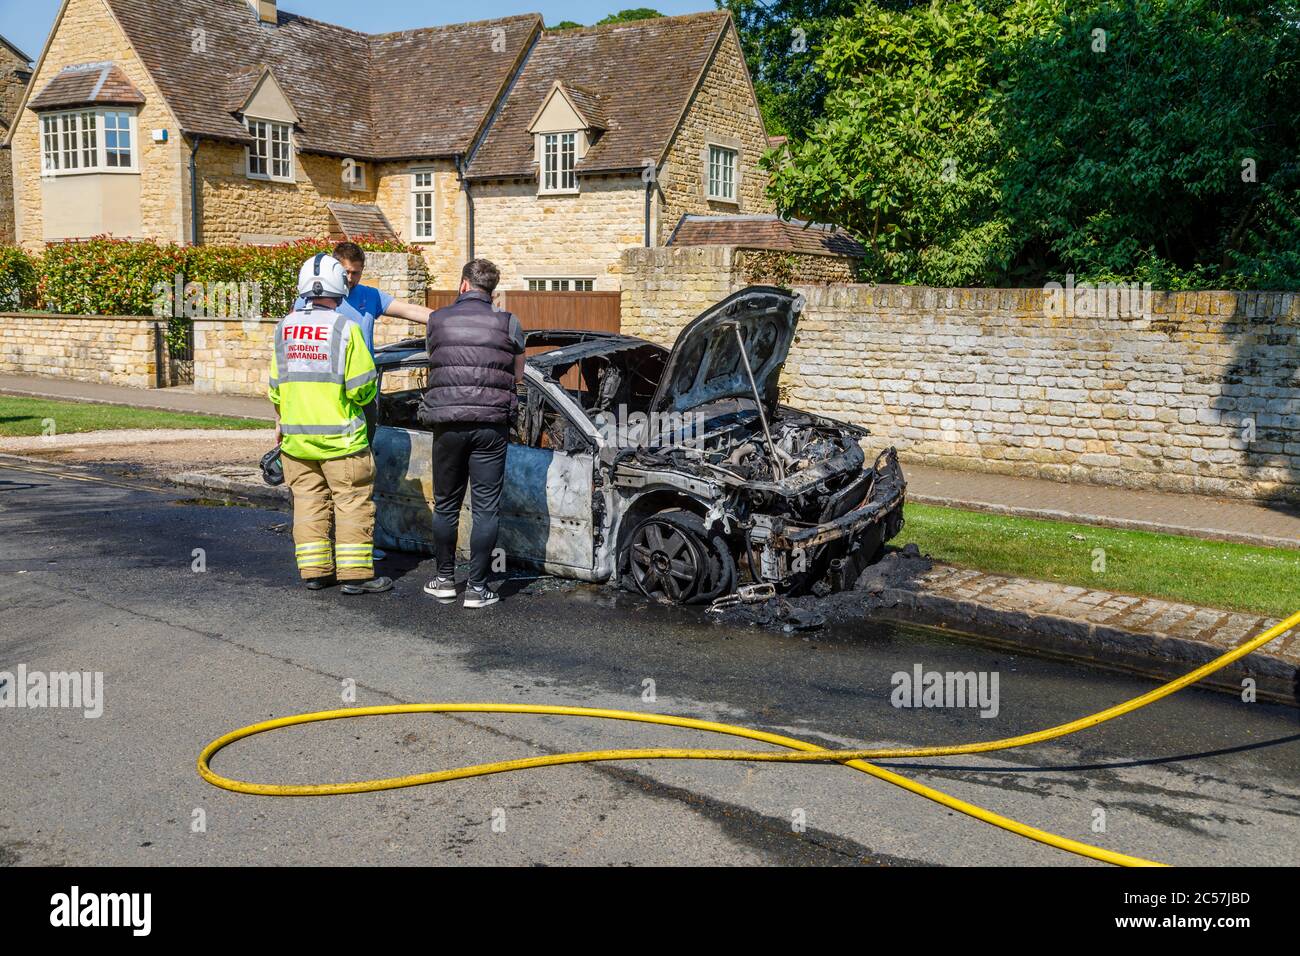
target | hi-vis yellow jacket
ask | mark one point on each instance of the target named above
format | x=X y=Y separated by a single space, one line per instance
x=321 y=375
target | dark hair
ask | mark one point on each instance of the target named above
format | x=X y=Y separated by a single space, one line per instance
x=349 y=252
x=481 y=274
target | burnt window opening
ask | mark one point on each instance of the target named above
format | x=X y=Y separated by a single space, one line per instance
x=400 y=392
x=537 y=423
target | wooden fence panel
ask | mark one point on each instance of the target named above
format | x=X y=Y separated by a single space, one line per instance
x=598 y=311
x=437 y=298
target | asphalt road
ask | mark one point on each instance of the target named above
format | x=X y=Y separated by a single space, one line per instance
x=100 y=577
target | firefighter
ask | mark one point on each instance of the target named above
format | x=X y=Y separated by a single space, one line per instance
x=322 y=375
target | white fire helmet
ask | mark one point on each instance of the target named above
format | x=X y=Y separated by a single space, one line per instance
x=323 y=276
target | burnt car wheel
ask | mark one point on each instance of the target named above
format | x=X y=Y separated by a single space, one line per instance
x=673 y=559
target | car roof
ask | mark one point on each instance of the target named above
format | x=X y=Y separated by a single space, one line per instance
x=586 y=343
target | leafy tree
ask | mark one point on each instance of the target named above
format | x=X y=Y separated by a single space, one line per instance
x=1157 y=140
x=1010 y=142
x=781 y=40
x=623 y=16
x=627 y=16
x=907 y=155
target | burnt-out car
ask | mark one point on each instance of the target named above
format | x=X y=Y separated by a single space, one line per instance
x=677 y=473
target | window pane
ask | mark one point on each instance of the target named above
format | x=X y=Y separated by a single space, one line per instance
x=117 y=139
x=551 y=151
x=424 y=215
x=68 y=126
x=50 y=128
x=258 y=153
x=281 y=151
x=422 y=204
x=568 y=180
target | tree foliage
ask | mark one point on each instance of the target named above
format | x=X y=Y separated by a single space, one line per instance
x=979 y=142
x=627 y=16
x=780 y=39
x=1155 y=139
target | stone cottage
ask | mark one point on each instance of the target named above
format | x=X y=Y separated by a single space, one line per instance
x=15 y=74
x=224 y=121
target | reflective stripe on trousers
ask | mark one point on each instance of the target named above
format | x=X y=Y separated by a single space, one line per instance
x=333 y=495
x=317 y=555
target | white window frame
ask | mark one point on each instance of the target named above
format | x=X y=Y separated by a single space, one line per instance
x=73 y=142
x=565 y=283
x=557 y=146
x=713 y=151
x=272 y=127
x=422 y=193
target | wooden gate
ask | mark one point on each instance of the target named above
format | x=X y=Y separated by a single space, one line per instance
x=598 y=311
x=437 y=298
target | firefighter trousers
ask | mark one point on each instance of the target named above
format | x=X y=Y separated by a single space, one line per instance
x=333 y=515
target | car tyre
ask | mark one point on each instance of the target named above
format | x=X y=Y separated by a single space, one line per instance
x=671 y=558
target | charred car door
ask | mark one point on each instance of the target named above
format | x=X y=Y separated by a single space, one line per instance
x=547 y=514
x=403 y=451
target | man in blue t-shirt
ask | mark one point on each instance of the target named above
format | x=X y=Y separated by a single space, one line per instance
x=364 y=305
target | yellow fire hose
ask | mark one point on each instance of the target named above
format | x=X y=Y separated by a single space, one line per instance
x=804 y=752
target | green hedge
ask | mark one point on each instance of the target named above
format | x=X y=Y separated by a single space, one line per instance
x=106 y=276
x=18 y=280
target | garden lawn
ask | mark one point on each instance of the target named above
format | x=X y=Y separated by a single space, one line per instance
x=28 y=416
x=1218 y=574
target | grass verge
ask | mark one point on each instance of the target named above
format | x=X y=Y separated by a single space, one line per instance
x=1218 y=574
x=21 y=417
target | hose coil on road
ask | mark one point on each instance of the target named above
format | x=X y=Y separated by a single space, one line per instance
x=801 y=751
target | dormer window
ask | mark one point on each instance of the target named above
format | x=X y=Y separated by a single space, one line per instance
x=558 y=157
x=271 y=154
x=567 y=124
x=259 y=102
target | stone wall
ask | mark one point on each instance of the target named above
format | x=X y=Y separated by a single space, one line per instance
x=445 y=253
x=235 y=209
x=233 y=356
x=769 y=267
x=89 y=34
x=665 y=288
x=7 y=233
x=581 y=235
x=14 y=77
x=723 y=112
x=1198 y=393
x=404 y=277
x=85 y=348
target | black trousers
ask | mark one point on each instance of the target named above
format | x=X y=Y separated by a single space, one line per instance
x=473 y=454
